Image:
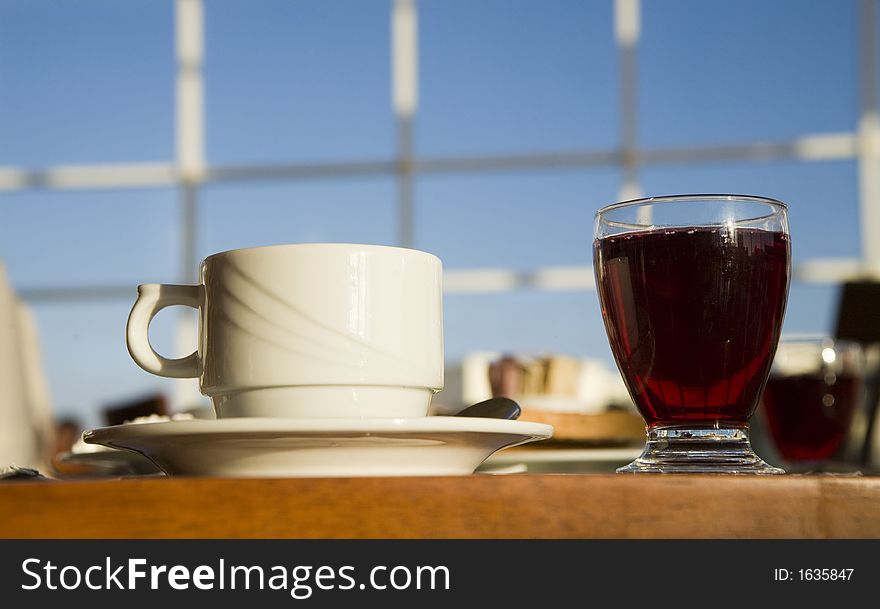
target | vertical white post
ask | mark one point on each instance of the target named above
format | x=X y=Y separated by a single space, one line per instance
x=404 y=58
x=869 y=138
x=404 y=97
x=869 y=185
x=627 y=29
x=189 y=41
x=189 y=44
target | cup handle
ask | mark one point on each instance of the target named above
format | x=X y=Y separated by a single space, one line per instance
x=152 y=298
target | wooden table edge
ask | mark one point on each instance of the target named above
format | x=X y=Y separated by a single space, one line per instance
x=545 y=506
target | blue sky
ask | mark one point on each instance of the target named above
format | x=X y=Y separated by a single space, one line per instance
x=305 y=81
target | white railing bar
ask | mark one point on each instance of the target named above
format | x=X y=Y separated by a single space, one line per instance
x=817 y=147
x=75 y=177
x=830 y=270
x=821 y=147
x=478 y=281
x=257 y=173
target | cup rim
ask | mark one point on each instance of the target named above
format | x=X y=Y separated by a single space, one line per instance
x=697 y=197
x=333 y=245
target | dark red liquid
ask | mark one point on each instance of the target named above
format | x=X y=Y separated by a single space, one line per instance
x=693 y=317
x=809 y=415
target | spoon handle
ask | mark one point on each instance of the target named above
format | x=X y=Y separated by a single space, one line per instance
x=493 y=408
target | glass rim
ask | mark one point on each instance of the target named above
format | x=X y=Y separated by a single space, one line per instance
x=707 y=197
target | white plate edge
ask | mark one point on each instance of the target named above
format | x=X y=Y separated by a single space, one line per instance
x=436 y=424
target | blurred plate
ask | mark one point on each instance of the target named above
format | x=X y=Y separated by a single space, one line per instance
x=560 y=460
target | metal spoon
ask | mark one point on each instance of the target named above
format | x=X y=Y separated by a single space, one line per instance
x=493 y=408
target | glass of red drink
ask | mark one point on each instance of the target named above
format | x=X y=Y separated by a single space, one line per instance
x=814 y=388
x=693 y=291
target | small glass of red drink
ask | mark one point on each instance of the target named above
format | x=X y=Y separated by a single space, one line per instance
x=693 y=291
x=814 y=388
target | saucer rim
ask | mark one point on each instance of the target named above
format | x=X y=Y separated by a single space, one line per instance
x=324 y=425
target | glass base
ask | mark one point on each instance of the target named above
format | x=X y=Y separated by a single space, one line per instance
x=698 y=450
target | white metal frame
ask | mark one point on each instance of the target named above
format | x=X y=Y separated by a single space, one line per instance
x=190 y=171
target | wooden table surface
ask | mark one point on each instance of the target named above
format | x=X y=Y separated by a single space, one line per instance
x=481 y=506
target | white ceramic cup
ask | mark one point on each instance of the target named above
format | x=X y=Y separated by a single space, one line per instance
x=307 y=330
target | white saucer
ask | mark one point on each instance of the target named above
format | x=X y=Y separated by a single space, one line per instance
x=258 y=447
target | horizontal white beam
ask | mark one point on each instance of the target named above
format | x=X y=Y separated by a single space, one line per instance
x=568 y=278
x=83 y=293
x=576 y=278
x=819 y=147
x=826 y=147
x=831 y=270
x=74 y=177
x=476 y=281
x=257 y=173
x=515 y=162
